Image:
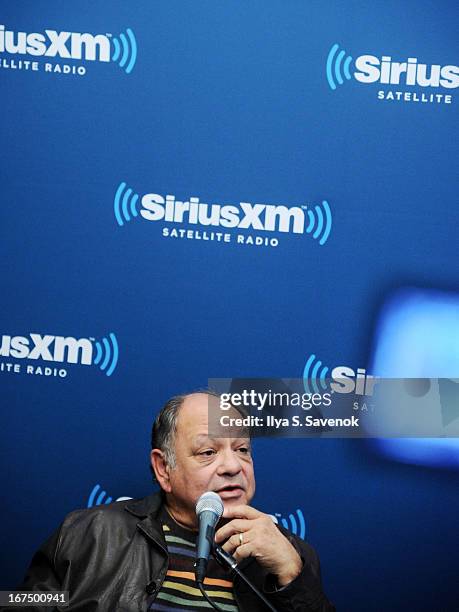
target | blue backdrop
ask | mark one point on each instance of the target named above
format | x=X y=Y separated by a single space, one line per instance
x=293 y=104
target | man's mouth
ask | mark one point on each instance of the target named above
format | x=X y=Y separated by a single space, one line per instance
x=230 y=490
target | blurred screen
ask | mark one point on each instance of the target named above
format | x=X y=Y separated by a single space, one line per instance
x=418 y=338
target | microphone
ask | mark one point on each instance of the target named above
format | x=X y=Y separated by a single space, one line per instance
x=209 y=509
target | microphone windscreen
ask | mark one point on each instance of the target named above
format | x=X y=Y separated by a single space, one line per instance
x=210 y=501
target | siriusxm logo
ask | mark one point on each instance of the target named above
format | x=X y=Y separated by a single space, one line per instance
x=384 y=70
x=343 y=378
x=295 y=524
x=60 y=350
x=441 y=394
x=315 y=221
x=99 y=497
x=121 y=50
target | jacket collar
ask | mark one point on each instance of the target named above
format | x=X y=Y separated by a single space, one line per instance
x=147 y=509
x=146 y=506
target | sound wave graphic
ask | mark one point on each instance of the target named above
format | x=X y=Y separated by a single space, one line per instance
x=125 y=50
x=107 y=354
x=124 y=204
x=294 y=524
x=320 y=222
x=92 y=501
x=313 y=373
x=334 y=67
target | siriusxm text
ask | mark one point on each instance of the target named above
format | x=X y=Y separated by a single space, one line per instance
x=371 y=69
x=265 y=217
x=47 y=347
x=50 y=43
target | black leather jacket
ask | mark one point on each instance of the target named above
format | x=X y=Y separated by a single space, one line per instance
x=114 y=557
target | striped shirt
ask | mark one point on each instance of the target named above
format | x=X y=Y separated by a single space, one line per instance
x=179 y=590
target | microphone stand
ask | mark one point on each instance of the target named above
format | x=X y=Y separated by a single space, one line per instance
x=229 y=561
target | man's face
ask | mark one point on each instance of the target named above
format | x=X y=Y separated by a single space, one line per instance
x=220 y=464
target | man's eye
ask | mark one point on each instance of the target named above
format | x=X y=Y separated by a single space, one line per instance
x=207 y=453
x=244 y=450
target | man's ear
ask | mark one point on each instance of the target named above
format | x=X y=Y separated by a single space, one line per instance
x=161 y=469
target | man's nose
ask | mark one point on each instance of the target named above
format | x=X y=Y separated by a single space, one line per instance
x=229 y=464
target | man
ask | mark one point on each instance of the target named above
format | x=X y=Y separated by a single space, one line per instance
x=138 y=555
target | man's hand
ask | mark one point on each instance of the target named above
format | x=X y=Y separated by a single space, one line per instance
x=254 y=534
